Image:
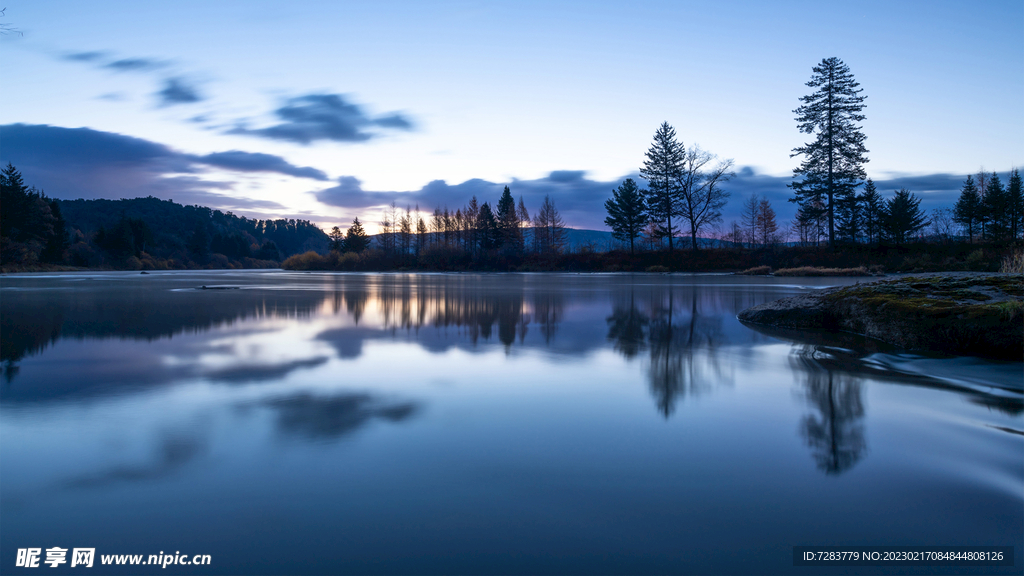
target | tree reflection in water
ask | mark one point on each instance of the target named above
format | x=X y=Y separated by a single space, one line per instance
x=683 y=347
x=835 y=432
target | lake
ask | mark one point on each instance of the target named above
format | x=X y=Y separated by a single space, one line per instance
x=305 y=423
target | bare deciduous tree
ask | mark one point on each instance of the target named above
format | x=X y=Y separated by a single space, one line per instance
x=702 y=197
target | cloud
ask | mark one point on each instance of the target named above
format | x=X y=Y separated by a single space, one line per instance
x=563 y=176
x=132 y=64
x=310 y=417
x=178 y=91
x=306 y=119
x=258 y=162
x=71 y=163
x=935 y=190
x=174 y=90
x=263 y=373
x=102 y=59
x=113 y=97
x=84 y=56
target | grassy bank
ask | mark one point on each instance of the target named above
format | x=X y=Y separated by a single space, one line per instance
x=853 y=260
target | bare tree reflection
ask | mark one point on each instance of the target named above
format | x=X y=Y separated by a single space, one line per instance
x=835 y=432
x=682 y=341
x=547 y=309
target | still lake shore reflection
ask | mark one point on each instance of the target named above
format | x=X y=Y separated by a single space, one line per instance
x=483 y=423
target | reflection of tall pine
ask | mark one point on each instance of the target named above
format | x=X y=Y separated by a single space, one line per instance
x=833 y=162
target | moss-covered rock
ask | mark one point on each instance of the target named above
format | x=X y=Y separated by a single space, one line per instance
x=957 y=313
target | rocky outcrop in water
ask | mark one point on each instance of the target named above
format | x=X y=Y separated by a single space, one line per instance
x=956 y=313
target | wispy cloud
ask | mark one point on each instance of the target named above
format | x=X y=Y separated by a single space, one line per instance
x=85 y=56
x=136 y=64
x=313 y=117
x=258 y=162
x=174 y=89
x=178 y=91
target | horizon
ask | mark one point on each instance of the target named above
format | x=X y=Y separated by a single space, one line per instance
x=275 y=118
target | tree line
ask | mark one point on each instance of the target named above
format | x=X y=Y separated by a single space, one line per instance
x=684 y=194
x=475 y=230
x=146 y=233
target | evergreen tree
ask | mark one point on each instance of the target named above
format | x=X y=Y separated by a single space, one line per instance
x=1015 y=199
x=627 y=212
x=967 y=210
x=871 y=206
x=27 y=224
x=663 y=171
x=337 y=240
x=833 y=163
x=421 y=235
x=848 y=216
x=405 y=231
x=508 y=222
x=356 y=239
x=903 y=217
x=997 y=209
x=487 y=230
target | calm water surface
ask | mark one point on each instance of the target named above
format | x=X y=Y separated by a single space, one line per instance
x=385 y=423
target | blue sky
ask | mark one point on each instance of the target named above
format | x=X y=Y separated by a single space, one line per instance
x=327 y=110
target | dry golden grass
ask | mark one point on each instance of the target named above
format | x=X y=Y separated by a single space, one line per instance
x=1013 y=263
x=812 y=271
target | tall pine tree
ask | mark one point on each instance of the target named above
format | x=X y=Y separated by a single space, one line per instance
x=833 y=162
x=967 y=210
x=663 y=170
x=508 y=222
x=487 y=230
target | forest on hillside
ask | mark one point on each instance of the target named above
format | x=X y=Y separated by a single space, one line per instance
x=140 y=233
